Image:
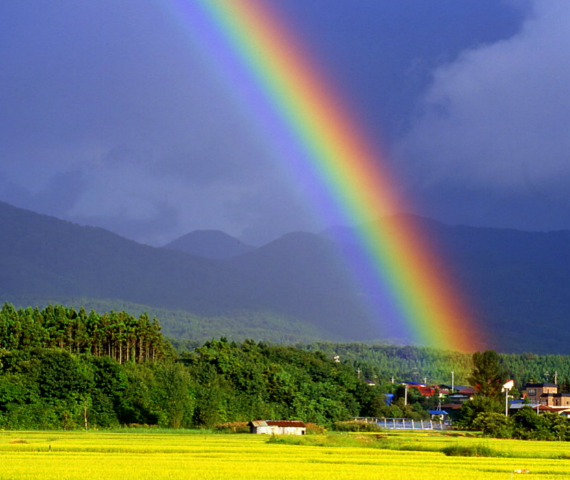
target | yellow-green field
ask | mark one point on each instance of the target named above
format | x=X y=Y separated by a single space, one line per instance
x=153 y=456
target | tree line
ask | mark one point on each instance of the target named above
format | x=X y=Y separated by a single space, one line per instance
x=216 y=383
x=118 y=335
x=66 y=368
x=486 y=411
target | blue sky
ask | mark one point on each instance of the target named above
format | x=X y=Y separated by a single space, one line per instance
x=113 y=114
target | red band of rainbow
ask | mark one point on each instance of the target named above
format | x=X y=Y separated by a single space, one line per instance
x=348 y=166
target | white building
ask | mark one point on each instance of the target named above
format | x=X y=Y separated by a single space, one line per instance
x=279 y=427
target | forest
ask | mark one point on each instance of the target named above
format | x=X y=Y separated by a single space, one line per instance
x=118 y=335
x=66 y=368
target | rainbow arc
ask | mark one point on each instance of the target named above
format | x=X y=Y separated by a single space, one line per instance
x=326 y=142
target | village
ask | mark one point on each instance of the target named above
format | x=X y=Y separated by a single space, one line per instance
x=541 y=397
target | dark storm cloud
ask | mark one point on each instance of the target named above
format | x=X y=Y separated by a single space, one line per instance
x=109 y=97
x=382 y=53
x=113 y=114
x=496 y=122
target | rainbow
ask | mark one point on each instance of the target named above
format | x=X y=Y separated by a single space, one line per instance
x=324 y=139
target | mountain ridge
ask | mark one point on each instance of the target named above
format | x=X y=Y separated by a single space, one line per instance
x=213 y=244
x=518 y=281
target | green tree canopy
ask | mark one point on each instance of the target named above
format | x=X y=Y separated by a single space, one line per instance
x=489 y=374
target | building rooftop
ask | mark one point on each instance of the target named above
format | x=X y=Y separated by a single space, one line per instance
x=276 y=423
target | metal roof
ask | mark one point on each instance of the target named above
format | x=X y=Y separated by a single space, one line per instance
x=277 y=423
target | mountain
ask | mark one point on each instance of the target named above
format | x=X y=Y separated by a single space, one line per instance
x=45 y=257
x=212 y=244
x=293 y=288
x=301 y=274
x=517 y=282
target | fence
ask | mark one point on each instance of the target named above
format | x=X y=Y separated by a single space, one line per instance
x=405 y=423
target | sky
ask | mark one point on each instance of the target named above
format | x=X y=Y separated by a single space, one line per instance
x=114 y=114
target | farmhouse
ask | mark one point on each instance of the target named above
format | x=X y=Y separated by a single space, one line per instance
x=427 y=390
x=545 y=394
x=424 y=390
x=462 y=394
x=279 y=427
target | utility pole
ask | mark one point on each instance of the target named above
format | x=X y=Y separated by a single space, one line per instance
x=452 y=380
x=507 y=388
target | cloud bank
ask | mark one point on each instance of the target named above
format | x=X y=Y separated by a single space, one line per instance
x=494 y=127
x=112 y=117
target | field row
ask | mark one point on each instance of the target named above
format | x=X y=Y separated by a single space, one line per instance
x=78 y=456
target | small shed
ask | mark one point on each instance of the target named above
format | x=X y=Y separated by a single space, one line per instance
x=277 y=427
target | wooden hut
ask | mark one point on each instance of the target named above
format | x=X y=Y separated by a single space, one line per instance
x=277 y=427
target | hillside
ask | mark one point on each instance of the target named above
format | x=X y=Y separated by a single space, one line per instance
x=518 y=282
x=46 y=257
x=293 y=288
x=301 y=274
x=210 y=244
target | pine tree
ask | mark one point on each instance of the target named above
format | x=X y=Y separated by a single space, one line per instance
x=489 y=374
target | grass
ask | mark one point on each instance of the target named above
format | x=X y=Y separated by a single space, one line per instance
x=471 y=451
x=147 y=454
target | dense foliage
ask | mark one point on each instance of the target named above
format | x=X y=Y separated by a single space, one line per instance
x=189 y=330
x=66 y=368
x=384 y=363
x=489 y=374
x=218 y=382
x=381 y=363
x=526 y=424
x=377 y=362
x=486 y=411
x=116 y=334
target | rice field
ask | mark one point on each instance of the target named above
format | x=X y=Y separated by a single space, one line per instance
x=156 y=456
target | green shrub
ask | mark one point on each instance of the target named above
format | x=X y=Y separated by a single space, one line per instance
x=469 y=451
x=232 y=427
x=355 y=426
x=314 y=429
x=493 y=424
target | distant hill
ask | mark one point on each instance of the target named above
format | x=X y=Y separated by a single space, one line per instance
x=210 y=244
x=518 y=282
x=186 y=328
x=46 y=257
x=293 y=288
x=301 y=274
